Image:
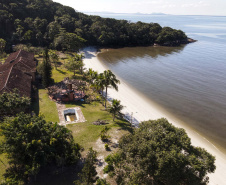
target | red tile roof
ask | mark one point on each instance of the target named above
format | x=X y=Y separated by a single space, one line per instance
x=14 y=73
x=16 y=79
x=20 y=53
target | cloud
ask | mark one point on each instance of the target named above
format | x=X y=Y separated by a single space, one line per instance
x=195 y=5
x=169 y=6
x=154 y=2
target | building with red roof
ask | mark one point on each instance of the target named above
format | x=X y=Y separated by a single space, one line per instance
x=18 y=72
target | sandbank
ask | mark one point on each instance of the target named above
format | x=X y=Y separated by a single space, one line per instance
x=143 y=109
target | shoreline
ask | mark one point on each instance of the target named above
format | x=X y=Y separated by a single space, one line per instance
x=143 y=109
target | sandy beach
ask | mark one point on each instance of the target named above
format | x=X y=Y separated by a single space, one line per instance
x=140 y=109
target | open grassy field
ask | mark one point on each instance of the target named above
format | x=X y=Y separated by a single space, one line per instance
x=60 y=73
x=86 y=134
x=47 y=107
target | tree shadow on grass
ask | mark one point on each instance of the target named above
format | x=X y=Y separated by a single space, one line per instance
x=59 y=63
x=53 y=175
x=124 y=125
x=76 y=103
x=62 y=72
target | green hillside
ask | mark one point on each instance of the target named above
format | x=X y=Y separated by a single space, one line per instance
x=46 y=23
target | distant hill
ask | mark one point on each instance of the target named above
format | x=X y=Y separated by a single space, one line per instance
x=138 y=13
x=46 y=23
x=158 y=14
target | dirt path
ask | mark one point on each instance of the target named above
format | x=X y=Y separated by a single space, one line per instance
x=60 y=108
x=99 y=146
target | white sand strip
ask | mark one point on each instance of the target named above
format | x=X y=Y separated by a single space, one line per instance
x=143 y=109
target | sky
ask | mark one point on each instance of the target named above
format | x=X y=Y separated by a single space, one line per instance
x=176 y=7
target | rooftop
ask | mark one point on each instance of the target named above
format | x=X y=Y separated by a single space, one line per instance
x=16 y=73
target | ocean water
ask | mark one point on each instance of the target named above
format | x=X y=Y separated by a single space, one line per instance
x=188 y=81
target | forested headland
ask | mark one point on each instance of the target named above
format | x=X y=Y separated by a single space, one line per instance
x=46 y=23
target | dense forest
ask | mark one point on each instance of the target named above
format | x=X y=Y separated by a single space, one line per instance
x=46 y=23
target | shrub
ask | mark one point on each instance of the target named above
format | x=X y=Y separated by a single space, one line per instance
x=102 y=182
x=106 y=147
x=103 y=134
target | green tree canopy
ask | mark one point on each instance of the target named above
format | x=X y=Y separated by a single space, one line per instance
x=45 y=69
x=54 y=58
x=169 y=36
x=75 y=63
x=31 y=143
x=68 y=41
x=46 y=23
x=12 y=103
x=109 y=80
x=91 y=75
x=88 y=174
x=2 y=45
x=98 y=82
x=115 y=108
x=159 y=153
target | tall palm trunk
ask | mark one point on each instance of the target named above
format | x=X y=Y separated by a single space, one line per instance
x=106 y=95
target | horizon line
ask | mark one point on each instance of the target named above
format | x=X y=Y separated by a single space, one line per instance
x=154 y=13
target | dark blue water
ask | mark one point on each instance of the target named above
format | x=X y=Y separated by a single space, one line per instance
x=188 y=81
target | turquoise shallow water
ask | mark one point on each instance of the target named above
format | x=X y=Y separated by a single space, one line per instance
x=188 y=81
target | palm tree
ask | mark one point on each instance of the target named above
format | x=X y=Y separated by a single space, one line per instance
x=79 y=59
x=109 y=80
x=98 y=83
x=91 y=76
x=115 y=108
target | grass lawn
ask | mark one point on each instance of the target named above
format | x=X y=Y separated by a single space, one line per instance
x=86 y=133
x=3 y=164
x=60 y=73
x=47 y=107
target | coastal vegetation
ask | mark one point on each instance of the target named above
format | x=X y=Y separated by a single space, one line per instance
x=115 y=108
x=85 y=134
x=159 y=153
x=46 y=23
x=154 y=153
x=32 y=143
x=75 y=63
x=108 y=79
x=153 y=143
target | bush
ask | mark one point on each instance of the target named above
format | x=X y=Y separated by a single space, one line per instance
x=102 y=182
x=106 y=147
x=103 y=134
